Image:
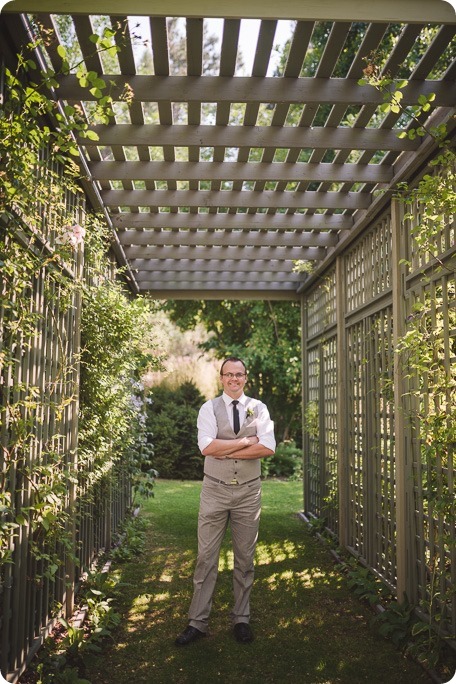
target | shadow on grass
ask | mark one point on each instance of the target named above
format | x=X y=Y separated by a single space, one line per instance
x=308 y=627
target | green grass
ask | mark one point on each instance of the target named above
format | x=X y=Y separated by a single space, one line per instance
x=308 y=627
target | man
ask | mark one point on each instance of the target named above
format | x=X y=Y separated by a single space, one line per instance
x=234 y=433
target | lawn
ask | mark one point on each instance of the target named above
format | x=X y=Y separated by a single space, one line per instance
x=308 y=627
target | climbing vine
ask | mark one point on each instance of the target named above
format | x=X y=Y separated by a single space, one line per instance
x=52 y=259
x=428 y=347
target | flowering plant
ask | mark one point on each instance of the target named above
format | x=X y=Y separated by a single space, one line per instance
x=249 y=412
x=71 y=235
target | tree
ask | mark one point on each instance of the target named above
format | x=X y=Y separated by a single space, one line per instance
x=266 y=335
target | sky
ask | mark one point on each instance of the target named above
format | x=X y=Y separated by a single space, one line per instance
x=247 y=37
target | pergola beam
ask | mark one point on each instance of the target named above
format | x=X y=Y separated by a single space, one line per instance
x=258 y=266
x=243 y=238
x=236 y=199
x=291 y=137
x=228 y=171
x=225 y=221
x=311 y=10
x=211 y=277
x=252 y=89
x=236 y=253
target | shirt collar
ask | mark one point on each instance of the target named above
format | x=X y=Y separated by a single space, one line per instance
x=227 y=399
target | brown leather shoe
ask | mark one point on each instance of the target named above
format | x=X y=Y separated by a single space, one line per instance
x=188 y=635
x=243 y=633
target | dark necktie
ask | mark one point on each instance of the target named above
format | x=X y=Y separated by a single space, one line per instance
x=236 y=426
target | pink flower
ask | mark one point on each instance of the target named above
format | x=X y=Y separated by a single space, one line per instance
x=71 y=235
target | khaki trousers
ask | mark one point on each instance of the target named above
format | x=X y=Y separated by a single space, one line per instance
x=220 y=504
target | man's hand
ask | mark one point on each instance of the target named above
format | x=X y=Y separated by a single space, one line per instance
x=228 y=448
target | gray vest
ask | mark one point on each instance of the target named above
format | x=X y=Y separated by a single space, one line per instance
x=232 y=468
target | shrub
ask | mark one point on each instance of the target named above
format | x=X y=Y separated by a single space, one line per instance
x=286 y=462
x=171 y=422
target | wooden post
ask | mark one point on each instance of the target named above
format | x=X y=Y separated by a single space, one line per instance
x=72 y=494
x=404 y=485
x=305 y=399
x=342 y=465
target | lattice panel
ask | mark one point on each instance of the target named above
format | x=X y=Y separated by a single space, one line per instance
x=371 y=442
x=321 y=306
x=380 y=406
x=368 y=266
x=441 y=232
x=329 y=408
x=312 y=436
x=433 y=321
x=357 y=438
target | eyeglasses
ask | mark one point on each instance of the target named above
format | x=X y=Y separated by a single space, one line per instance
x=230 y=376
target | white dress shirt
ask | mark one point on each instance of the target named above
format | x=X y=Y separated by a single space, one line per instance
x=207 y=424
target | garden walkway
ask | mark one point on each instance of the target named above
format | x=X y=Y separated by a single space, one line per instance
x=309 y=627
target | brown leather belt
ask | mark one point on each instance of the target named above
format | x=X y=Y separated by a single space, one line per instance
x=233 y=482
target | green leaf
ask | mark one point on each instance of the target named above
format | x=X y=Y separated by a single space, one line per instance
x=91 y=135
x=94 y=38
x=62 y=52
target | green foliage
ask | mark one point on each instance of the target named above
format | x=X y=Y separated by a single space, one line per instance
x=285 y=463
x=395 y=622
x=312 y=419
x=171 y=421
x=365 y=585
x=39 y=253
x=266 y=335
x=425 y=353
x=130 y=540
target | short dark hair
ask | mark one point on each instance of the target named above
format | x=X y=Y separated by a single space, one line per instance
x=235 y=359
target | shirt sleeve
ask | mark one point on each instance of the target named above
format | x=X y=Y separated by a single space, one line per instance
x=207 y=425
x=265 y=428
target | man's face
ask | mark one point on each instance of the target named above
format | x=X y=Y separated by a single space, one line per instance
x=233 y=386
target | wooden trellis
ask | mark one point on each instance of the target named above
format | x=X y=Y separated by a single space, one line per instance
x=391 y=511
x=264 y=170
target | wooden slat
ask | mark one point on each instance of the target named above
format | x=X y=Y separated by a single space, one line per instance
x=219 y=221
x=127 y=66
x=244 y=238
x=236 y=253
x=227 y=171
x=195 y=277
x=250 y=136
x=181 y=265
x=251 y=89
x=286 y=294
x=330 y=10
x=221 y=198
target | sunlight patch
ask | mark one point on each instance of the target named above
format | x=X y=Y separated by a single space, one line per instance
x=142 y=600
x=166 y=577
x=275 y=553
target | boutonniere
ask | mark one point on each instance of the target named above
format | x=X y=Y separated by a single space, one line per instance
x=249 y=412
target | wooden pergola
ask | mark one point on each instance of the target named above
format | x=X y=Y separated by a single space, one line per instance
x=223 y=206
x=214 y=184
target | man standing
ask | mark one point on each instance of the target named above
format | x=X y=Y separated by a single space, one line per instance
x=234 y=433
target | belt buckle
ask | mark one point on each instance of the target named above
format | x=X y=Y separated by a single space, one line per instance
x=234 y=482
